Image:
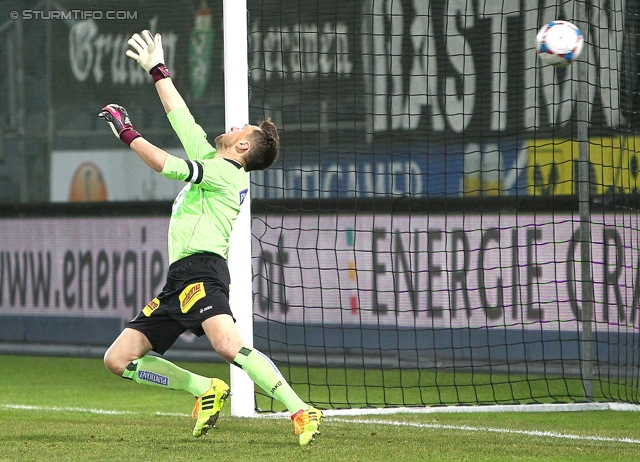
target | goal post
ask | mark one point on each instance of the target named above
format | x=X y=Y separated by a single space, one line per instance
x=237 y=114
x=584 y=198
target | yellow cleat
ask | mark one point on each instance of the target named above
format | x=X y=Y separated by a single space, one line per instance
x=208 y=406
x=306 y=425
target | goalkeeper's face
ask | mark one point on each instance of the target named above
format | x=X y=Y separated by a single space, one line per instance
x=234 y=136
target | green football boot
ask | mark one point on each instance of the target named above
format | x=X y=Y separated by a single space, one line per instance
x=306 y=425
x=208 y=406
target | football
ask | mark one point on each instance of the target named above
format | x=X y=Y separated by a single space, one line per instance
x=559 y=43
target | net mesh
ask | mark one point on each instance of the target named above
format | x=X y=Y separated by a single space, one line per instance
x=420 y=241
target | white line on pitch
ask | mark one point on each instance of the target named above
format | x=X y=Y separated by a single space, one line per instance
x=490 y=430
x=25 y=407
x=467 y=428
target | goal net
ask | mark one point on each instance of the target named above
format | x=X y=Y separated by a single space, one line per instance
x=451 y=222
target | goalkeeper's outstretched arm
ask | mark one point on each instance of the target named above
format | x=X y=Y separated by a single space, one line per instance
x=118 y=119
x=147 y=51
x=172 y=167
x=169 y=95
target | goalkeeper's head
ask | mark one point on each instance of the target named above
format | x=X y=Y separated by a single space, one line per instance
x=258 y=146
x=265 y=147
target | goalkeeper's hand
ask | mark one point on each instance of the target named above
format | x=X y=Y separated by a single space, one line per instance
x=149 y=54
x=118 y=119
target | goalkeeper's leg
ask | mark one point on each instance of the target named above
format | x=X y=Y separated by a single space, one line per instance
x=128 y=358
x=306 y=419
x=226 y=340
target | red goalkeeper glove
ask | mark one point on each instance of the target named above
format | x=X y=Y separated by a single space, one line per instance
x=118 y=119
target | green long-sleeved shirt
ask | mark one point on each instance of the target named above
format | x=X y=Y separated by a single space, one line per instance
x=206 y=209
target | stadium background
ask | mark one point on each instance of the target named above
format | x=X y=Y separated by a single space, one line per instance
x=402 y=123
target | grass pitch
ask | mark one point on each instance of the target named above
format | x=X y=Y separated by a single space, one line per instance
x=72 y=409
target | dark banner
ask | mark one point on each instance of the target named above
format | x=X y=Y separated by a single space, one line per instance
x=426 y=67
x=90 y=41
x=436 y=67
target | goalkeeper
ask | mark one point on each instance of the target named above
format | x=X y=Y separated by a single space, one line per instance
x=196 y=294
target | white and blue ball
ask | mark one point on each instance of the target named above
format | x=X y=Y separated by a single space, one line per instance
x=559 y=43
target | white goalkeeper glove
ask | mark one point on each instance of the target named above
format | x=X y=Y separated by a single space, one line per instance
x=149 y=54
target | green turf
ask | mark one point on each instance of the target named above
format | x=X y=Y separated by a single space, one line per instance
x=63 y=427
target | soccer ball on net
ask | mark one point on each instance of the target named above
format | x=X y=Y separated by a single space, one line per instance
x=559 y=43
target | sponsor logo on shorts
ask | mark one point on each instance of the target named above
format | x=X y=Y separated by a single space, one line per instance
x=151 y=307
x=190 y=295
x=152 y=377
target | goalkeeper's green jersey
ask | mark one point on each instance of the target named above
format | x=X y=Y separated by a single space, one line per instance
x=204 y=212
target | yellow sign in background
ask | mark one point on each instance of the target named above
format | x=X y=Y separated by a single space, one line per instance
x=613 y=166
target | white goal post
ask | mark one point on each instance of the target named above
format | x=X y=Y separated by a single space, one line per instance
x=236 y=88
